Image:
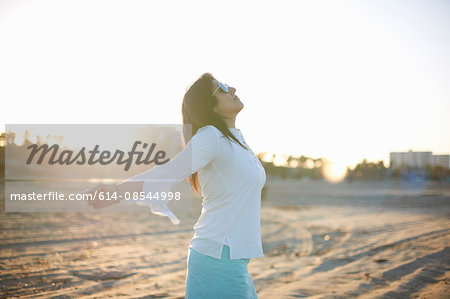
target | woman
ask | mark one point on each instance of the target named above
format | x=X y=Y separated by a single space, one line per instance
x=223 y=169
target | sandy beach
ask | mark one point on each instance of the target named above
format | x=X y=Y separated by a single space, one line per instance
x=321 y=240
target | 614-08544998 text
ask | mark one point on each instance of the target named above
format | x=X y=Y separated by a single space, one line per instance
x=139 y=196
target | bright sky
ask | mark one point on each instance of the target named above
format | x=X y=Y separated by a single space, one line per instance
x=345 y=80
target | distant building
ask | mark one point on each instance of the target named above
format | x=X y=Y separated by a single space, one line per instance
x=441 y=160
x=417 y=159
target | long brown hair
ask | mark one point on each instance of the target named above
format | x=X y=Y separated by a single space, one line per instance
x=198 y=111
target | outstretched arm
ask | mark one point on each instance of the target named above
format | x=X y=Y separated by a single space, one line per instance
x=199 y=151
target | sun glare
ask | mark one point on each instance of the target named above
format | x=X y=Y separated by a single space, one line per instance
x=334 y=172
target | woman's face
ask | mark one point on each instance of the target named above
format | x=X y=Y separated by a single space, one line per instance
x=228 y=103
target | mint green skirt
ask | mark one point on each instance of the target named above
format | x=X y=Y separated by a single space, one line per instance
x=208 y=277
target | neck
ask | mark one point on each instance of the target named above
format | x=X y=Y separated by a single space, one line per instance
x=230 y=121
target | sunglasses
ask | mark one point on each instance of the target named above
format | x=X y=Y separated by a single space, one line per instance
x=222 y=86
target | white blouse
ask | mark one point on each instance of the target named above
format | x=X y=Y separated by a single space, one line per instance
x=231 y=180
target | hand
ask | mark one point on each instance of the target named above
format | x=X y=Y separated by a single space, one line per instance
x=97 y=203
